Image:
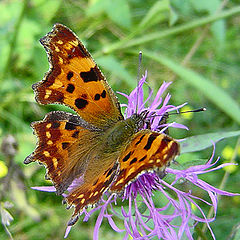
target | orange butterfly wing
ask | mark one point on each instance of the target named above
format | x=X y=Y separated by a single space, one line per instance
x=57 y=134
x=68 y=145
x=147 y=151
x=69 y=149
x=95 y=184
x=75 y=80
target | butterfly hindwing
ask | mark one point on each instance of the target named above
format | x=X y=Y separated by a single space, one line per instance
x=95 y=184
x=147 y=151
x=71 y=149
x=57 y=134
x=75 y=80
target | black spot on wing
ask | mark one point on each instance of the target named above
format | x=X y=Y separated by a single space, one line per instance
x=93 y=75
x=55 y=124
x=141 y=138
x=109 y=172
x=70 y=126
x=69 y=75
x=97 y=96
x=70 y=88
x=103 y=94
x=127 y=157
x=133 y=161
x=142 y=159
x=81 y=103
x=95 y=182
x=89 y=76
x=75 y=134
x=65 y=145
x=151 y=138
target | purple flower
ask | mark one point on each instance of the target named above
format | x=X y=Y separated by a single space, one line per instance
x=151 y=206
x=136 y=102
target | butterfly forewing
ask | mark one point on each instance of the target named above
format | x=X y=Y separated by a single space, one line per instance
x=75 y=80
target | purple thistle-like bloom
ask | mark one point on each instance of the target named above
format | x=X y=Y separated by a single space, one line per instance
x=151 y=211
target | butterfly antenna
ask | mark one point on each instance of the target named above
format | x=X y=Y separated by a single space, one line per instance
x=189 y=111
x=138 y=75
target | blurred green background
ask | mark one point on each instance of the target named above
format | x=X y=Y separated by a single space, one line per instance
x=195 y=44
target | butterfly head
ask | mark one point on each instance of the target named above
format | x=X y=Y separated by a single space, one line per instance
x=139 y=119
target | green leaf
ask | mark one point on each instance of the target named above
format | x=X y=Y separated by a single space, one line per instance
x=26 y=41
x=9 y=13
x=218 y=28
x=26 y=143
x=219 y=31
x=18 y=122
x=155 y=14
x=126 y=43
x=97 y=7
x=200 y=142
x=206 y=5
x=182 y=7
x=211 y=91
x=119 y=12
x=47 y=9
x=188 y=160
x=173 y=17
x=142 y=208
x=5 y=50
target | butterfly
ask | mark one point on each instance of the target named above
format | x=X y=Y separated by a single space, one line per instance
x=96 y=145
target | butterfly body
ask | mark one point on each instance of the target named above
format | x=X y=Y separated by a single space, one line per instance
x=122 y=132
x=96 y=150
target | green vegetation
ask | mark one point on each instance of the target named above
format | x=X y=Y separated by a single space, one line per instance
x=195 y=44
